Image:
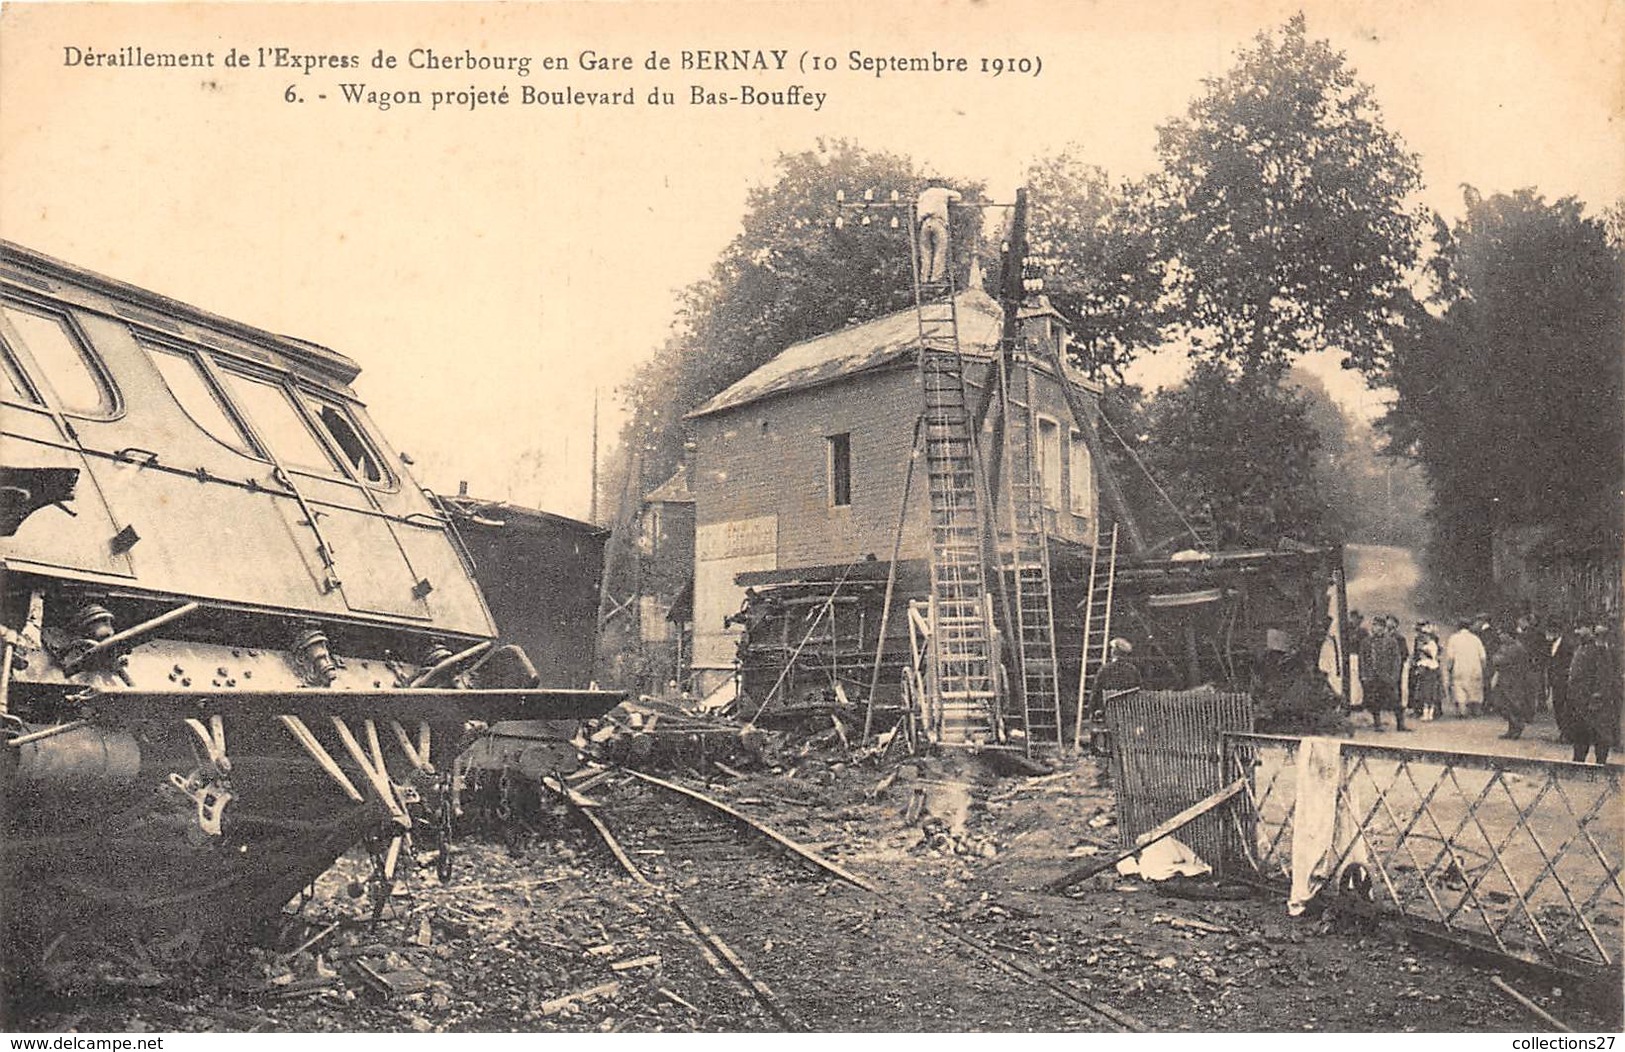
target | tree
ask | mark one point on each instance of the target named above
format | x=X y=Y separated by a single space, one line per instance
x=1102 y=267
x=1243 y=452
x=1281 y=209
x=1369 y=497
x=1510 y=387
x=790 y=274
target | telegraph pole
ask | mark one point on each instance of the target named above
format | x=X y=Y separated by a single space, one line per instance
x=592 y=499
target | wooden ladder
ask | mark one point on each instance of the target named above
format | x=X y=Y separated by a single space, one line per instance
x=1097 y=625
x=1024 y=555
x=961 y=635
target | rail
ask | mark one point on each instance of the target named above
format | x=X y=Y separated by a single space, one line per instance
x=1108 y=1016
x=1521 y=857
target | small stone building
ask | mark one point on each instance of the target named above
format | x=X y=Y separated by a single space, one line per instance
x=798 y=474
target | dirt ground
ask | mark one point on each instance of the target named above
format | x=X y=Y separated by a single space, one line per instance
x=540 y=931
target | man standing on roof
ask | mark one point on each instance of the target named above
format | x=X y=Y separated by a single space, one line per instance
x=931 y=214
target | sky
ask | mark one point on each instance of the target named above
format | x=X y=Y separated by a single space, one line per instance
x=495 y=267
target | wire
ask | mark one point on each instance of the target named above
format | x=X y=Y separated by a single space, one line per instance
x=1151 y=478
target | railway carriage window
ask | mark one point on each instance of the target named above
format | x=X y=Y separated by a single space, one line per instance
x=16 y=389
x=184 y=375
x=347 y=436
x=277 y=421
x=65 y=363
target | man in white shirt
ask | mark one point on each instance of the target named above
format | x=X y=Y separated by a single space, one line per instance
x=1465 y=671
x=931 y=213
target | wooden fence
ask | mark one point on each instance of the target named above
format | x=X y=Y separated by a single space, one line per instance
x=1167 y=754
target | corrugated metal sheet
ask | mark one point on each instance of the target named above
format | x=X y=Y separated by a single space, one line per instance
x=1167 y=754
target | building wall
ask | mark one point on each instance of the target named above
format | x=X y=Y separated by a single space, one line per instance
x=762 y=490
x=1071 y=519
x=666 y=547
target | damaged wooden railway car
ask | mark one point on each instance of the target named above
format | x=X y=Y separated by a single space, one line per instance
x=238 y=639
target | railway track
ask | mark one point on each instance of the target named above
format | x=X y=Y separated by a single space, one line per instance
x=817 y=946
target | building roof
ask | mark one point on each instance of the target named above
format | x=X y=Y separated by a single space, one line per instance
x=672 y=491
x=859 y=348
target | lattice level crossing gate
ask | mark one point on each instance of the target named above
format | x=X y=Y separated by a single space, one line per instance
x=1519 y=857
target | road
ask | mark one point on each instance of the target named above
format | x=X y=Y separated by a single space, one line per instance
x=1383 y=579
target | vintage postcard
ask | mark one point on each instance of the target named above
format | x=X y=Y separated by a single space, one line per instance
x=704 y=516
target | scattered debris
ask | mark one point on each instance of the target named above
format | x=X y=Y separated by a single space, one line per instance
x=1167 y=828
x=1192 y=924
x=1530 y=1006
x=600 y=992
x=394 y=982
x=649 y=961
x=540 y=932
x=674 y=998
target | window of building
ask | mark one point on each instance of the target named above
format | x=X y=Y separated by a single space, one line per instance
x=651 y=531
x=1049 y=462
x=277 y=421
x=65 y=363
x=840 y=470
x=184 y=375
x=1082 y=470
x=342 y=428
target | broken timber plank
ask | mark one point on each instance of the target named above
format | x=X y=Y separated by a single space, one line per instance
x=596 y=993
x=1529 y=1006
x=675 y=998
x=1168 y=828
x=392 y=983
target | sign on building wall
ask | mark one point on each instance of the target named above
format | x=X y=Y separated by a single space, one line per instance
x=722 y=550
x=737 y=538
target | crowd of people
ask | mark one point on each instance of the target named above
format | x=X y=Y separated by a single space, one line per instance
x=1511 y=670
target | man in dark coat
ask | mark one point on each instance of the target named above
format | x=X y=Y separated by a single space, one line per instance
x=1116 y=677
x=1594 y=695
x=1382 y=664
x=1514 y=686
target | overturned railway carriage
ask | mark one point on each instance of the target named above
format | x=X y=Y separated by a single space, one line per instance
x=238 y=639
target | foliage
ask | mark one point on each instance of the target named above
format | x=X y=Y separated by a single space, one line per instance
x=1281 y=209
x=1102 y=272
x=788 y=275
x=1296 y=699
x=1510 y=387
x=1237 y=450
x=1369 y=496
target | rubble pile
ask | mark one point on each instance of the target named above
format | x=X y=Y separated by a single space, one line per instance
x=540 y=931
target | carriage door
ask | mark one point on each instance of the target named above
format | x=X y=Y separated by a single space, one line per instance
x=50 y=378
x=373 y=572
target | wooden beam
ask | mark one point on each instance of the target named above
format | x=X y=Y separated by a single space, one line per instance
x=1531 y=1007
x=1172 y=825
